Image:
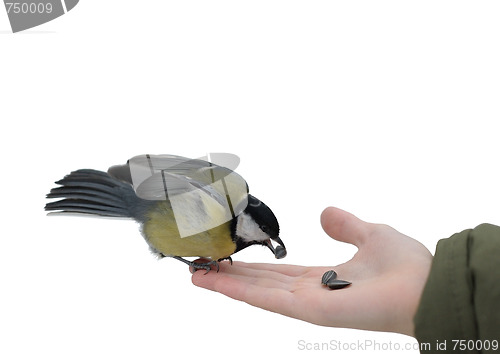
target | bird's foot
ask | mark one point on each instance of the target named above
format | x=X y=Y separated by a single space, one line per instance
x=197 y=266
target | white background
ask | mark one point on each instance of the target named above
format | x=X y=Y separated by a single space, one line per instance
x=387 y=109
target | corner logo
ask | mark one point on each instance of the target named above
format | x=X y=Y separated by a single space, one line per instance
x=28 y=14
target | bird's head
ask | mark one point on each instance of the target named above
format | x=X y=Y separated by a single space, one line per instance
x=258 y=225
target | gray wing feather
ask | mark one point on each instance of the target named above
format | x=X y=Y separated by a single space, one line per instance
x=159 y=177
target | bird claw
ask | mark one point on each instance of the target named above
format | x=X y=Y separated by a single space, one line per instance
x=197 y=266
x=228 y=258
x=207 y=266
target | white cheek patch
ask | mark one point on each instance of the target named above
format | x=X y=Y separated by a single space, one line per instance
x=248 y=230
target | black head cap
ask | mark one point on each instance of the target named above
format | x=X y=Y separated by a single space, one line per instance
x=263 y=216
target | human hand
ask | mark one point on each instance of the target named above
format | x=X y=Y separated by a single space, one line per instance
x=388 y=274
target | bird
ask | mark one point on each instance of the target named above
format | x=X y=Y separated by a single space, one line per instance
x=185 y=207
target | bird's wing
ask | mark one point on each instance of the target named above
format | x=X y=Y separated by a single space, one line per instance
x=192 y=186
x=141 y=167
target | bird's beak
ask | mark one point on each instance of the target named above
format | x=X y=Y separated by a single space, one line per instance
x=280 y=250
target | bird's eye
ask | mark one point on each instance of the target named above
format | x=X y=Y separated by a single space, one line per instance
x=264 y=228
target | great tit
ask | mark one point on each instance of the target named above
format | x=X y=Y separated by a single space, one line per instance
x=185 y=207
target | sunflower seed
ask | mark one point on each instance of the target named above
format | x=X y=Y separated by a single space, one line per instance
x=330 y=275
x=337 y=284
x=280 y=252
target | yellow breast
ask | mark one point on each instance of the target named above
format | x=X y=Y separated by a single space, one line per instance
x=161 y=232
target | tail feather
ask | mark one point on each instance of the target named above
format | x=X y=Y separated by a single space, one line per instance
x=82 y=193
x=77 y=206
x=93 y=192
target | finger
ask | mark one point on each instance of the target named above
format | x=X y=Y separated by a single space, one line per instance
x=285 y=269
x=263 y=278
x=343 y=226
x=275 y=271
x=237 y=269
x=262 y=282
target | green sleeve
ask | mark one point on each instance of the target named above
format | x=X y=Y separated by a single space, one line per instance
x=461 y=299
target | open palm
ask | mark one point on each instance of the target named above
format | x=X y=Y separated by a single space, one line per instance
x=388 y=274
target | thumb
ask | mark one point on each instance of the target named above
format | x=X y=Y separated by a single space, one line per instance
x=343 y=226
